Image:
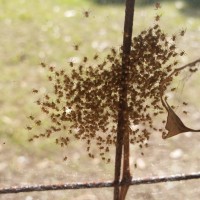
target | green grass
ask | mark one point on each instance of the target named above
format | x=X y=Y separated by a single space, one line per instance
x=32 y=31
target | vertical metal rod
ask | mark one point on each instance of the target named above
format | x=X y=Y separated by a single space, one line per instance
x=121 y=127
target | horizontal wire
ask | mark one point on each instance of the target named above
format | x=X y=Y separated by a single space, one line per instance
x=70 y=186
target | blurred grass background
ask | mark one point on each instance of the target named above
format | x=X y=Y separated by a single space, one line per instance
x=34 y=31
x=192 y=3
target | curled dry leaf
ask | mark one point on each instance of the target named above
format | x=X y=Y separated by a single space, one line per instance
x=174 y=124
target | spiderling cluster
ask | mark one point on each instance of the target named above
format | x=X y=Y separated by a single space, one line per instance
x=84 y=104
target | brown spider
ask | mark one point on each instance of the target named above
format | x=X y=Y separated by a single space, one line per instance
x=35 y=91
x=182 y=32
x=76 y=47
x=182 y=53
x=157 y=6
x=29 y=128
x=157 y=17
x=86 y=13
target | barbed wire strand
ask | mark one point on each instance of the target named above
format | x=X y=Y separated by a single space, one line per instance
x=70 y=186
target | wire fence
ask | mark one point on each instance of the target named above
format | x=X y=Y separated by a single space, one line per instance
x=67 y=186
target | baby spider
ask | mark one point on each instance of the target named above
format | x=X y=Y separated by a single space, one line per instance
x=85 y=59
x=182 y=53
x=51 y=69
x=174 y=37
x=176 y=62
x=193 y=70
x=38 y=102
x=38 y=122
x=86 y=13
x=182 y=32
x=157 y=6
x=76 y=47
x=31 y=117
x=157 y=17
x=35 y=91
x=30 y=140
x=71 y=64
x=173 y=89
x=43 y=64
x=96 y=56
x=29 y=128
x=50 y=78
x=156 y=26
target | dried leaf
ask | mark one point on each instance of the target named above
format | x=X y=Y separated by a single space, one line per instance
x=174 y=124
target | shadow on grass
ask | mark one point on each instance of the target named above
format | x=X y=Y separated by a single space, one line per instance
x=191 y=3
